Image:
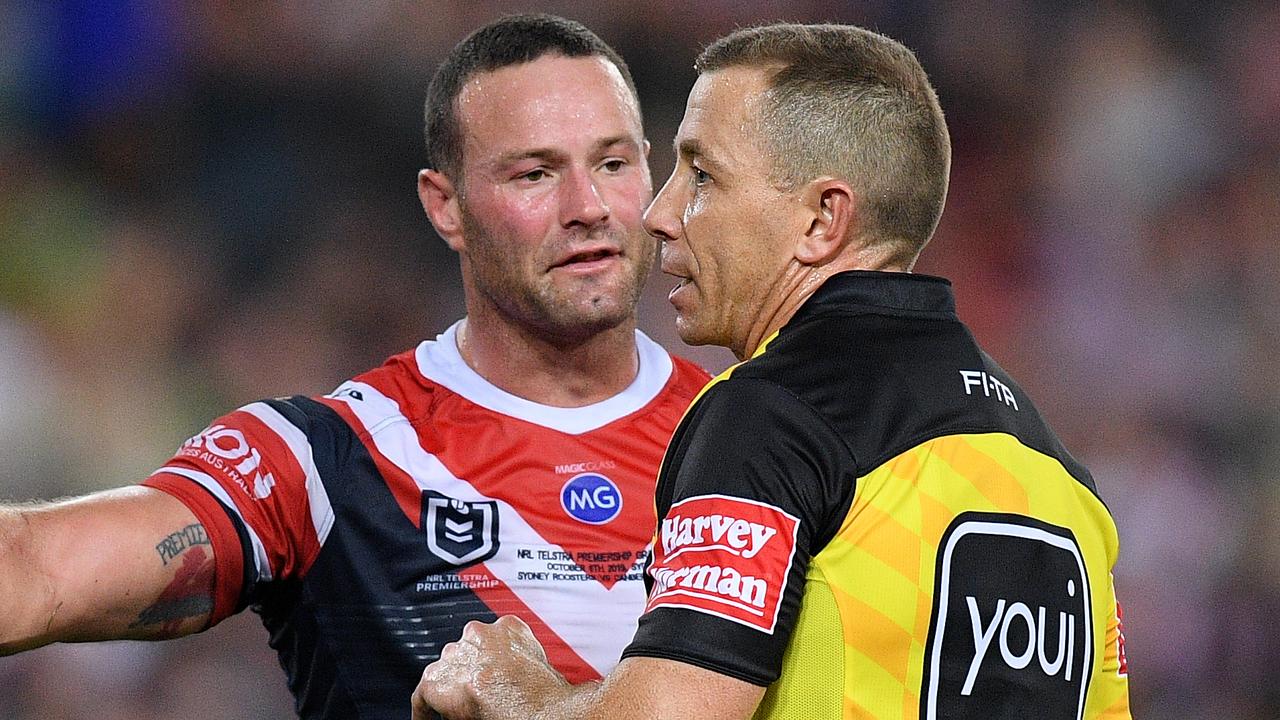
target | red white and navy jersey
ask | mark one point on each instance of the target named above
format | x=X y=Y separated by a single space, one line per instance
x=368 y=526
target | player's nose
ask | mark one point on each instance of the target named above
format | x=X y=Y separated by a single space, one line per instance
x=581 y=202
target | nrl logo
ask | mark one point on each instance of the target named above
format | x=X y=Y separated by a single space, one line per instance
x=460 y=533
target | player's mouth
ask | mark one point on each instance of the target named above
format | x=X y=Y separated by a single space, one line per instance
x=588 y=260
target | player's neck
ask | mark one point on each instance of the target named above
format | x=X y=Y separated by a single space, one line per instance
x=549 y=373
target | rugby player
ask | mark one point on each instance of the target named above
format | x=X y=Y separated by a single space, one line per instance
x=505 y=467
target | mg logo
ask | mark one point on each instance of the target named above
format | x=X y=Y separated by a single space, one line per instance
x=460 y=533
x=591 y=498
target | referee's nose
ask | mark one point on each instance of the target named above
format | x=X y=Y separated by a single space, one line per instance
x=665 y=217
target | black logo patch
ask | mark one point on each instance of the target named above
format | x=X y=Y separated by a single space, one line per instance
x=460 y=533
x=1011 y=635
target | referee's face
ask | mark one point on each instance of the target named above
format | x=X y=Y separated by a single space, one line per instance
x=726 y=229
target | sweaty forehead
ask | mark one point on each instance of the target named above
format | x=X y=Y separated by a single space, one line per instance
x=722 y=116
x=550 y=101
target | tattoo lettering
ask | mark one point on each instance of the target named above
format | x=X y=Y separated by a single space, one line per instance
x=189 y=536
x=188 y=596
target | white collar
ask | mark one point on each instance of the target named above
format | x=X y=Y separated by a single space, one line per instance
x=440 y=361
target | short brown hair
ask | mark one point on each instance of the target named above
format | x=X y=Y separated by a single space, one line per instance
x=850 y=103
x=511 y=40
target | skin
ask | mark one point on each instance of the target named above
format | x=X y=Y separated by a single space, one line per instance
x=547 y=224
x=748 y=254
x=128 y=563
x=499 y=670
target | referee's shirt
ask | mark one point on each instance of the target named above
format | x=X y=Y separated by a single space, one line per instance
x=872 y=519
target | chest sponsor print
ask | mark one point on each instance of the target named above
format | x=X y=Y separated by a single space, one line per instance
x=1011 y=627
x=591 y=498
x=724 y=556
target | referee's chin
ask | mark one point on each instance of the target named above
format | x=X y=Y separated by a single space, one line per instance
x=695 y=334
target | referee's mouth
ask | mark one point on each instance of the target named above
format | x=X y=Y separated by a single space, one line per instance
x=684 y=282
x=670 y=265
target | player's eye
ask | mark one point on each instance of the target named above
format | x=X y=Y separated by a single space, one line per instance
x=614 y=165
x=700 y=176
x=534 y=175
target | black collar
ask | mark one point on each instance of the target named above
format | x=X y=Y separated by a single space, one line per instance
x=893 y=291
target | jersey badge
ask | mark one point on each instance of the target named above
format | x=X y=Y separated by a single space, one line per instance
x=458 y=532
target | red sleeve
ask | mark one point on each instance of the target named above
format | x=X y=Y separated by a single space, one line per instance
x=228 y=551
x=248 y=477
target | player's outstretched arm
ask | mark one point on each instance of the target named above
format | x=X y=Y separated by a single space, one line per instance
x=498 y=671
x=127 y=563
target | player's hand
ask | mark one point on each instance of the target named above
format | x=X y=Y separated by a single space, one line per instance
x=493 y=671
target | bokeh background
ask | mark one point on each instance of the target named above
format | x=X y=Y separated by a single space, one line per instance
x=206 y=203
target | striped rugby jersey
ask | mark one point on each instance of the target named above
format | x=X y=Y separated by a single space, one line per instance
x=871 y=518
x=368 y=526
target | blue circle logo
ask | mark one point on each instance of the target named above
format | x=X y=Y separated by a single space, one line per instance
x=591 y=498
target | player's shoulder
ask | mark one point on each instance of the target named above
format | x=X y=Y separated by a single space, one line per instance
x=680 y=378
x=396 y=371
x=687 y=377
x=396 y=389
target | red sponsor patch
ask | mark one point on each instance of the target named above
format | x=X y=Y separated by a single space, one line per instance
x=226 y=451
x=724 y=556
x=1123 y=657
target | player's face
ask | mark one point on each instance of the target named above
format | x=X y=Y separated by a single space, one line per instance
x=555 y=180
x=723 y=224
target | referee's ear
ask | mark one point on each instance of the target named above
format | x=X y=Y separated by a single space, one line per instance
x=833 y=221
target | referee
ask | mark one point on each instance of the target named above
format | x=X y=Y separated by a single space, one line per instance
x=867 y=517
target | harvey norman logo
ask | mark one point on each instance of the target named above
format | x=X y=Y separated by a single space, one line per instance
x=724 y=556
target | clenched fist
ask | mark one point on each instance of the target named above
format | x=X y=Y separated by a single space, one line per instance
x=493 y=671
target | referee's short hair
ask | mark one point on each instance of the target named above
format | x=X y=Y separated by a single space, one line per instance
x=849 y=103
x=511 y=40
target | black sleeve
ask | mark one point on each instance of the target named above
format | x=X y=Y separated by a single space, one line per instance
x=754 y=483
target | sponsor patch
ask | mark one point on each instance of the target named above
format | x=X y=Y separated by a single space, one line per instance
x=1011 y=625
x=1121 y=655
x=459 y=533
x=591 y=498
x=724 y=556
x=226 y=450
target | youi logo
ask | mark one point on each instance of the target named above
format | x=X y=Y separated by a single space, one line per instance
x=591 y=498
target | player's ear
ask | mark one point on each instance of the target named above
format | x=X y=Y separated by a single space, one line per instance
x=832 y=218
x=440 y=201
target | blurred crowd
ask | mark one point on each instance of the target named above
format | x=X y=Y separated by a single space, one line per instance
x=207 y=203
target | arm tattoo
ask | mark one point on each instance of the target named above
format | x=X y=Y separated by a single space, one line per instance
x=189 y=595
x=189 y=536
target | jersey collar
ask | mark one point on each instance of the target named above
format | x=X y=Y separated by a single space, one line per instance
x=439 y=361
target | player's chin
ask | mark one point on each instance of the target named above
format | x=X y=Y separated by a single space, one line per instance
x=585 y=315
x=620 y=286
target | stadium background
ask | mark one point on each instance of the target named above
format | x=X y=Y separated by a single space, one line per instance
x=205 y=203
